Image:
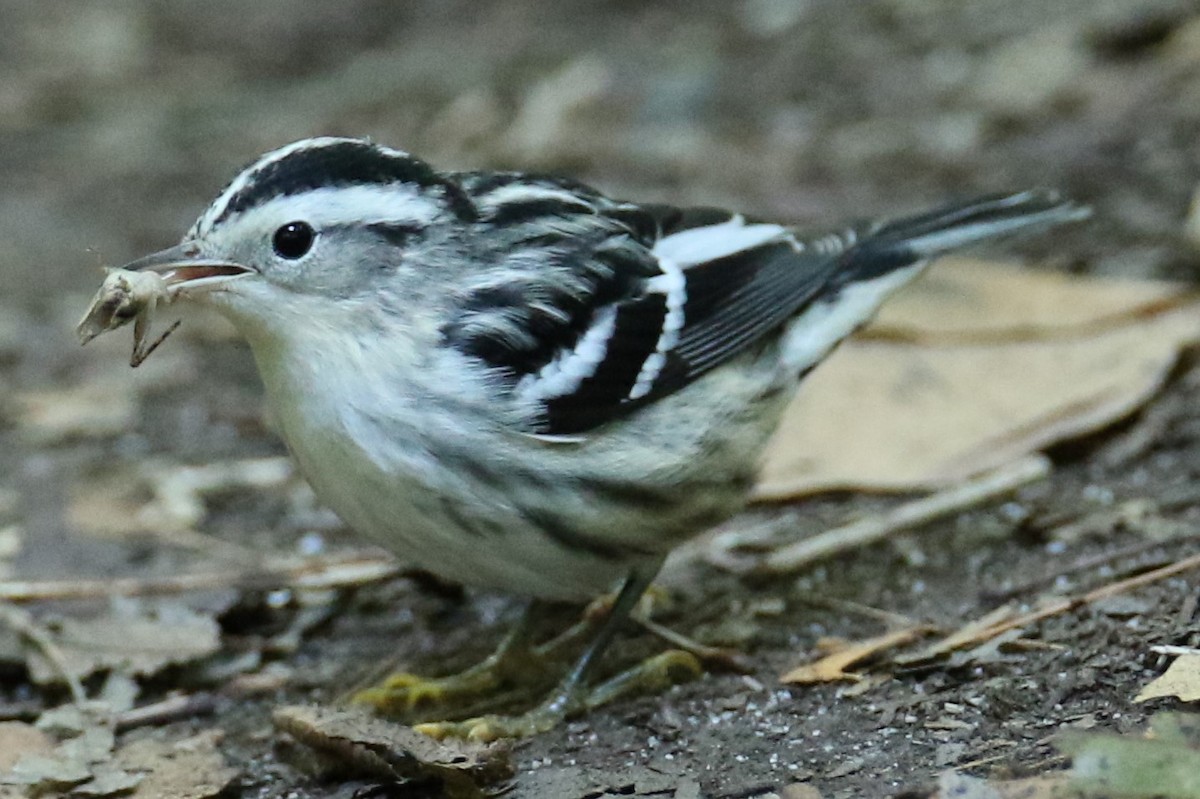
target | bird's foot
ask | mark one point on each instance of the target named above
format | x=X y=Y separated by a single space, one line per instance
x=404 y=694
x=653 y=675
x=504 y=675
x=516 y=671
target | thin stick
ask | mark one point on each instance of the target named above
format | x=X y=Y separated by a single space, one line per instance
x=725 y=658
x=24 y=624
x=1168 y=649
x=308 y=573
x=1085 y=564
x=974 y=492
x=168 y=710
x=1066 y=604
x=891 y=619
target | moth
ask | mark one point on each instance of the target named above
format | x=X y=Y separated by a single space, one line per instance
x=126 y=297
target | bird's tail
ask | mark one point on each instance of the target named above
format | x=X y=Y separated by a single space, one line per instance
x=931 y=234
x=884 y=256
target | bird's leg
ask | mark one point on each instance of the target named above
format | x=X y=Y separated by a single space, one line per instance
x=517 y=670
x=512 y=664
x=572 y=696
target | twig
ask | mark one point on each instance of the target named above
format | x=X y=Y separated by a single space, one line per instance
x=891 y=619
x=835 y=665
x=727 y=659
x=1169 y=649
x=970 y=633
x=974 y=492
x=983 y=761
x=204 y=544
x=986 y=632
x=168 y=710
x=301 y=573
x=1083 y=564
x=24 y=624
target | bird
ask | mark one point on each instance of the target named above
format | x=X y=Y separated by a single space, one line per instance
x=516 y=382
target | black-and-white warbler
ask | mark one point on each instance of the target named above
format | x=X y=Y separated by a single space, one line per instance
x=517 y=382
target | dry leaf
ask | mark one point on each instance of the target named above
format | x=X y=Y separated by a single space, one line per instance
x=86 y=764
x=71 y=763
x=130 y=638
x=107 y=780
x=833 y=667
x=189 y=769
x=101 y=407
x=353 y=742
x=165 y=498
x=103 y=403
x=952 y=785
x=114 y=504
x=11 y=539
x=1181 y=679
x=799 y=790
x=18 y=739
x=974 y=366
x=969 y=298
x=973 y=633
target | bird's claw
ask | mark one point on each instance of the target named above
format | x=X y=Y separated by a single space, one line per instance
x=658 y=673
x=403 y=694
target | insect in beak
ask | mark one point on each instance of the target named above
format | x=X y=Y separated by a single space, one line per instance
x=134 y=292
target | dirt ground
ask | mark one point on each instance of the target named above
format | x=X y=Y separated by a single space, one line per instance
x=120 y=120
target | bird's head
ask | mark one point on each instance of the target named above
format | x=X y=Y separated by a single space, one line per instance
x=318 y=224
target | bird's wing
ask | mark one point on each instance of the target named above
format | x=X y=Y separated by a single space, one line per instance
x=609 y=306
x=601 y=307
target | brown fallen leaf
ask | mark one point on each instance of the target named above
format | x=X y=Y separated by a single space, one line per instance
x=70 y=763
x=972 y=299
x=166 y=498
x=1181 y=679
x=18 y=739
x=834 y=666
x=134 y=638
x=97 y=408
x=104 y=402
x=952 y=785
x=72 y=750
x=799 y=790
x=974 y=632
x=354 y=743
x=189 y=769
x=972 y=367
x=982 y=488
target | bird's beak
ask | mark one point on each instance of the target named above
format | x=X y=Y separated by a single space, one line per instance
x=183 y=266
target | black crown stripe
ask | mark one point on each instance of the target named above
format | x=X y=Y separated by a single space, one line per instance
x=339 y=165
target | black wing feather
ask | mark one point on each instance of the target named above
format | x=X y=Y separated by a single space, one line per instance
x=635 y=332
x=734 y=300
x=600 y=268
x=731 y=301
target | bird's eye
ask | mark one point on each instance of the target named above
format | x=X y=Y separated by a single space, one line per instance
x=293 y=240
